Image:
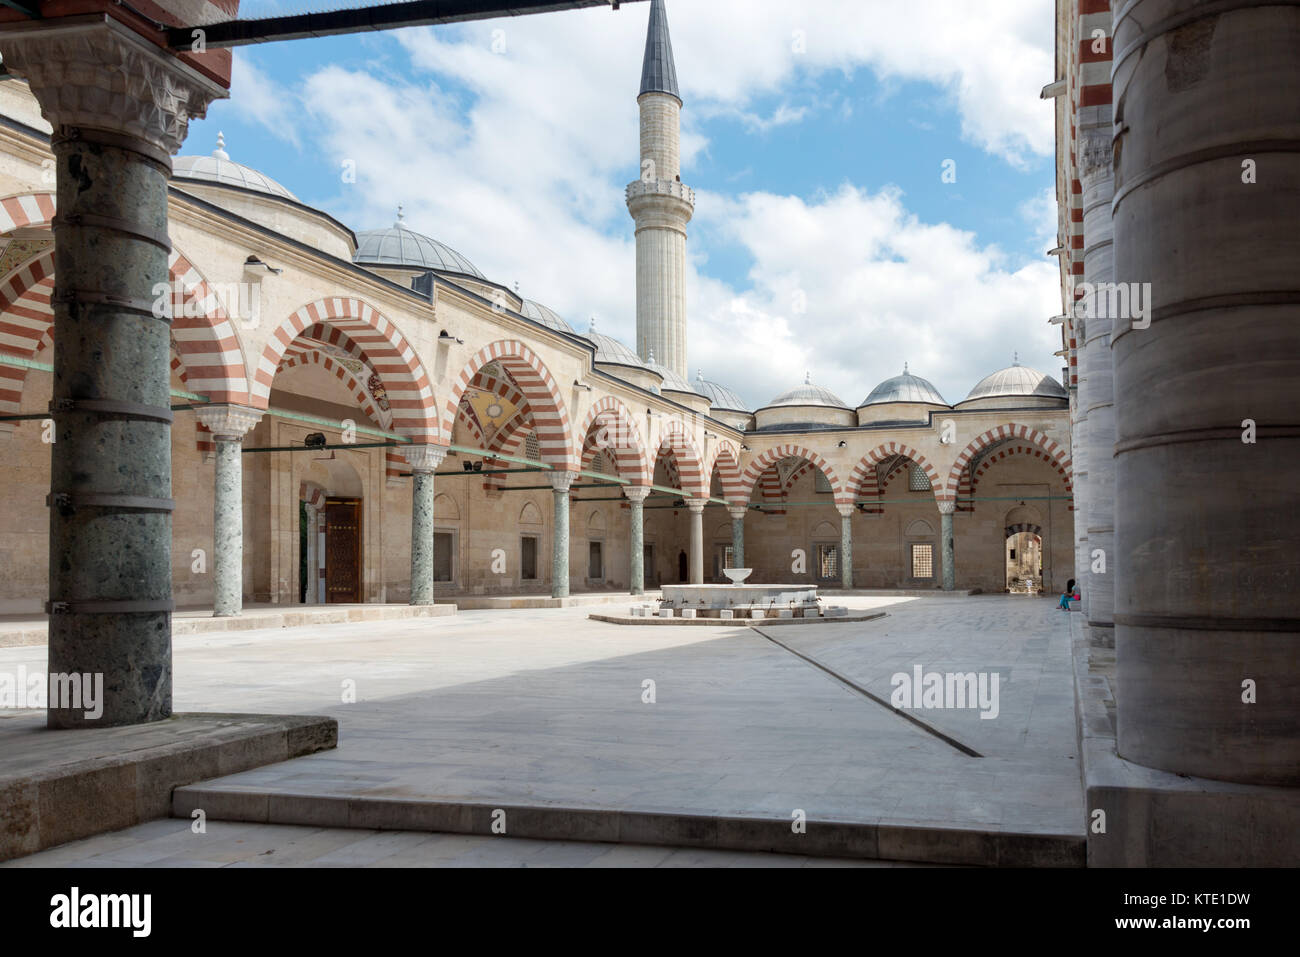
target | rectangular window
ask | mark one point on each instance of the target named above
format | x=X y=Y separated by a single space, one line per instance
x=828 y=561
x=595 y=567
x=528 y=558
x=443 y=549
x=922 y=561
x=917 y=480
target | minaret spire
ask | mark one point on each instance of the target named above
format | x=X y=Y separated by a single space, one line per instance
x=661 y=205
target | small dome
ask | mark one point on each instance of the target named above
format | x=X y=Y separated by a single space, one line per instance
x=904 y=388
x=399 y=246
x=545 y=315
x=809 y=394
x=719 y=396
x=221 y=170
x=1017 y=380
x=672 y=381
x=609 y=349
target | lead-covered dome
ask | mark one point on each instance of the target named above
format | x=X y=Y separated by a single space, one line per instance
x=719 y=396
x=609 y=350
x=219 y=169
x=904 y=388
x=405 y=248
x=1017 y=381
x=672 y=381
x=545 y=315
x=807 y=406
x=808 y=395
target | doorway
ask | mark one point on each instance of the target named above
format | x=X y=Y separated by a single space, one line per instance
x=343 y=550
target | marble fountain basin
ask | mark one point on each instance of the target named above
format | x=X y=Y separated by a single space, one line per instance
x=709 y=600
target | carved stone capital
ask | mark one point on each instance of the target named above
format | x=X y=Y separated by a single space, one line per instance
x=947 y=506
x=424 y=458
x=92 y=72
x=737 y=512
x=229 y=423
x=636 y=493
x=846 y=511
x=696 y=505
x=560 y=481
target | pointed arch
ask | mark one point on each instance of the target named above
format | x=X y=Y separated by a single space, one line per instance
x=204 y=335
x=26 y=209
x=759 y=464
x=1054 y=453
x=383 y=348
x=610 y=427
x=863 y=481
x=726 y=462
x=682 y=452
x=550 y=415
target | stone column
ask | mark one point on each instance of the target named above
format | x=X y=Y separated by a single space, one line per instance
x=1207 y=198
x=636 y=496
x=945 y=544
x=119 y=106
x=424 y=460
x=560 y=482
x=846 y=545
x=1096 y=393
x=737 y=513
x=228 y=424
x=696 y=556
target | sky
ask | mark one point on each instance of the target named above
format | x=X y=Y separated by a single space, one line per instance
x=826 y=237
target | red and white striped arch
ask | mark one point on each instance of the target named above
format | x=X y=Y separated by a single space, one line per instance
x=1002 y=453
x=206 y=341
x=676 y=445
x=542 y=395
x=351 y=382
x=863 y=480
x=26 y=209
x=203 y=441
x=726 y=463
x=1055 y=454
x=776 y=453
x=610 y=427
x=383 y=348
x=26 y=321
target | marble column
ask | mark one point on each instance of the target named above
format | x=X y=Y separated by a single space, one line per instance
x=1207 y=198
x=636 y=496
x=119 y=106
x=228 y=424
x=846 y=545
x=560 y=482
x=946 y=546
x=696 y=558
x=424 y=460
x=737 y=513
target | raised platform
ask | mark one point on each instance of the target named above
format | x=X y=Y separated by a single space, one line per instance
x=475 y=602
x=732 y=622
x=18 y=630
x=59 y=786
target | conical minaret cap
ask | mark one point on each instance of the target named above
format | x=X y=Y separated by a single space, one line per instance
x=658 y=72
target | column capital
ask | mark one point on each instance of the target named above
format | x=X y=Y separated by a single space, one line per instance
x=947 y=506
x=696 y=505
x=560 y=481
x=424 y=458
x=846 y=511
x=636 y=493
x=93 y=72
x=229 y=423
x=737 y=512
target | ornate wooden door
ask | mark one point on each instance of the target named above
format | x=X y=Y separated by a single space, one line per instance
x=343 y=550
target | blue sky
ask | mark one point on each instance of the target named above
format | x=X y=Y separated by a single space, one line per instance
x=815 y=139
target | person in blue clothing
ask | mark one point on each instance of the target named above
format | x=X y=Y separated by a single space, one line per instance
x=1069 y=593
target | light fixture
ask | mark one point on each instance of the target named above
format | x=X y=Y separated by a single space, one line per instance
x=252 y=262
x=446 y=336
x=1056 y=251
x=843 y=443
x=581 y=385
x=745 y=448
x=478 y=466
x=316 y=440
x=467 y=466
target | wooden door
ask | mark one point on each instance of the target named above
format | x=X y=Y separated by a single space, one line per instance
x=342 y=550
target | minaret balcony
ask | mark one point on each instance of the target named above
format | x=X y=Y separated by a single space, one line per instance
x=660 y=187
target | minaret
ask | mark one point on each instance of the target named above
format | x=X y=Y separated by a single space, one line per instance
x=661 y=205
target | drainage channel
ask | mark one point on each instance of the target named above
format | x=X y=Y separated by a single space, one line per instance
x=927 y=728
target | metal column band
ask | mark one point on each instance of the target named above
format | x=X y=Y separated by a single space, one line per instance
x=125 y=410
x=123 y=607
x=130 y=144
x=132 y=228
x=75 y=500
x=144 y=307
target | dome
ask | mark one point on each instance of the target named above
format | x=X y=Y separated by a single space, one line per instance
x=219 y=169
x=545 y=315
x=719 y=396
x=809 y=394
x=609 y=349
x=399 y=246
x=904 y=388
x=1017 y=380
x=672 y=381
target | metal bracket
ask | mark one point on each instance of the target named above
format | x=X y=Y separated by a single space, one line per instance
x=144 y=307
x=107 y=607
x=127 y=410
x=71 y=501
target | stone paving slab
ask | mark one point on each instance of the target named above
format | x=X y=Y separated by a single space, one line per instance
x=57 y=786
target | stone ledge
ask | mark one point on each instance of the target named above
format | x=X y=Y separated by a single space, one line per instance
x=933 y=844
x=1157 y=818
x=730 y=622
x=60 y=786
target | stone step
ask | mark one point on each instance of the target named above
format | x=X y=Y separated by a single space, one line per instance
x=878 y=840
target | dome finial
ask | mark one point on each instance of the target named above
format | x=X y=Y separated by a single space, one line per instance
x=1015 y=358
x=592 y=327
x=807 y=378
x=400 y=217
x=220 y=152
x=651 y=358
x=904 y=367
x=699 y=375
